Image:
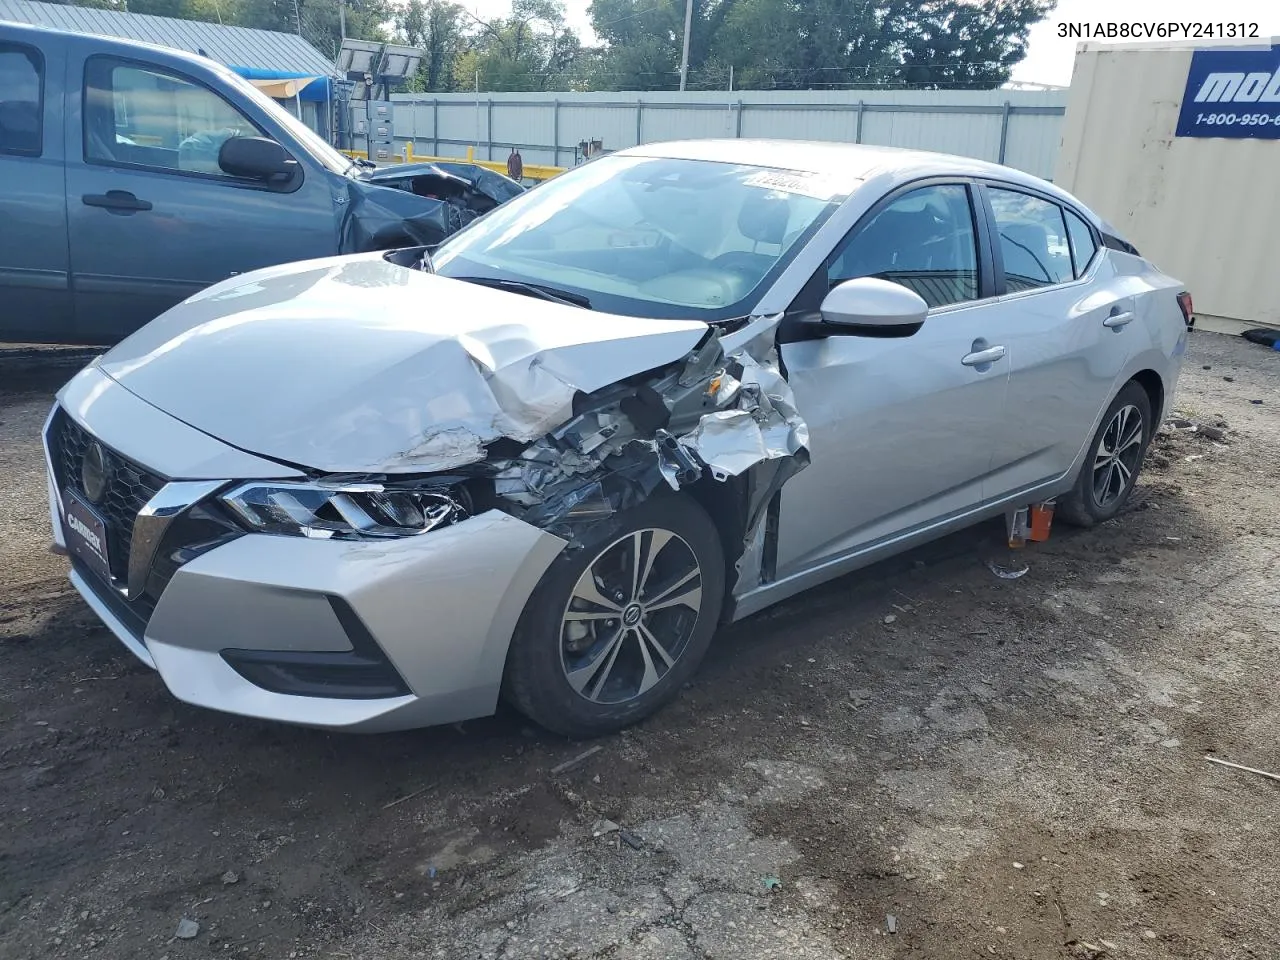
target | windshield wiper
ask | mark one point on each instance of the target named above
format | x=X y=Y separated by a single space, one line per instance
x=538 y=290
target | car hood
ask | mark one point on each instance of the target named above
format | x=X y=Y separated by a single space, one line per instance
x=357 y=365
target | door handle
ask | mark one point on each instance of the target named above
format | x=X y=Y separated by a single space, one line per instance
x=981 y=357
x=116 y=200
x=1119 y=319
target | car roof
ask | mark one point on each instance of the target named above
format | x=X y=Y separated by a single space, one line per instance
x=858 y=161
x=121 y=45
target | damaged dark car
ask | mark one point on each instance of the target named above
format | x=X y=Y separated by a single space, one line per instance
x=544 y=460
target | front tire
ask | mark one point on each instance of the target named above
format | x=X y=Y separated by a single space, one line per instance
x=616 y=628
x=1111 y=466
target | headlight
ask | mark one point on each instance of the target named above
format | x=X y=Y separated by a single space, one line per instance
x=345 y=512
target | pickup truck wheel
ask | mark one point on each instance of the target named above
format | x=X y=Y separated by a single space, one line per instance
x=1111 y=465
x=617 y=627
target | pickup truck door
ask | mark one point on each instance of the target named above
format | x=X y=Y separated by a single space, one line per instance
x=152 y=217
x=35 y=292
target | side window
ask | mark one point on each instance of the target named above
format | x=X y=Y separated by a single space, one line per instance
x=21 y=98
x=923 y=240
x=143 y=116
x=1033 y=240
x=1083 y=246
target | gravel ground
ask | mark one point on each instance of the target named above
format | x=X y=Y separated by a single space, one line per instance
x=921 y=760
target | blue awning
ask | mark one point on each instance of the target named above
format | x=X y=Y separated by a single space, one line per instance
x=317 y=90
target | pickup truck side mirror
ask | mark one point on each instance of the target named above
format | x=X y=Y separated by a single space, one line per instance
x=875 y=306
x=256 y=158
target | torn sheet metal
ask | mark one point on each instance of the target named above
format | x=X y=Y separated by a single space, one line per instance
x=710 y=413
x=377 y=217
x=763 y=426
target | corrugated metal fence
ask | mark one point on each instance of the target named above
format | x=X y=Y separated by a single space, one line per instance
x=1019 y=128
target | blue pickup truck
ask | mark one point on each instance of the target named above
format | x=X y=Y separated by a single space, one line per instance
x=132 y=176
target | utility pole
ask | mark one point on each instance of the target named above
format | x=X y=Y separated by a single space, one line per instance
x=342 y=18
x=684 y=58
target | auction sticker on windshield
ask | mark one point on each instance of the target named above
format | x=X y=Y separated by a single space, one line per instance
x=819 y=187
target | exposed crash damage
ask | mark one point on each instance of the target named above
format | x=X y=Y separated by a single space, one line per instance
x=439 y=202
x=722 y=426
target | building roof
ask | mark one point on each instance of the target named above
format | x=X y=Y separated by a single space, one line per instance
x=231 y=46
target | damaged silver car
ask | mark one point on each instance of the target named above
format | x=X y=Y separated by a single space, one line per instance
x=544 y=460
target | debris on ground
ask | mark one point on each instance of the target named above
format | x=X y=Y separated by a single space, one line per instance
x=630 y=839
x=570 y=764
x=187 y=929
x=1263 y=337
x=1217 y=433
x=603 y=827
x=229 y=878
x=891 y=923
x=1007 y=573
x=1239 y=766
x=771 y=883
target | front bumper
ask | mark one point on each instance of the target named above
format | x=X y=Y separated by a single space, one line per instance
x=435 y=612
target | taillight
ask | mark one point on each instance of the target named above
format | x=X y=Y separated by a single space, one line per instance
x=1188 y=309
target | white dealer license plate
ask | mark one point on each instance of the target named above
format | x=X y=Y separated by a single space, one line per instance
x=86 y=534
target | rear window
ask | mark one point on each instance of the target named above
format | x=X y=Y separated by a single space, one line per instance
x=21 y=96
x=1033 y=240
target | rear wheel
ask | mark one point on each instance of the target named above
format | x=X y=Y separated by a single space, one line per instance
x=617 y=627
x=1111 y=466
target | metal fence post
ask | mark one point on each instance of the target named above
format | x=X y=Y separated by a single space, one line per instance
x=435 y=126
x=488 y=129
x=738 y=131
x=1004 y=130
x=555 y=133
x=857 y=133
x=639 y=122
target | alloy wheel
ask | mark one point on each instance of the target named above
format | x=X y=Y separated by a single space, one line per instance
x=1119 y=455
x=630 y=616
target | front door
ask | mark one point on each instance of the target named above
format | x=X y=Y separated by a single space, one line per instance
x=901 y=429
x=153 y=218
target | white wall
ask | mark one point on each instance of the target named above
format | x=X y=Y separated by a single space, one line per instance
x=1204 y=210
x=970 y=123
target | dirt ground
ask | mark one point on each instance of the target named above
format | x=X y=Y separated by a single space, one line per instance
x=922 y=760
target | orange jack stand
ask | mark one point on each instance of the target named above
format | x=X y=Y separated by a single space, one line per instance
x=1029 y=523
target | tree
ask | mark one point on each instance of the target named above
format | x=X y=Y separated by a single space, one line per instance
x=643 y=41
x=807 y=44
x=439 y=29
x=531 y=49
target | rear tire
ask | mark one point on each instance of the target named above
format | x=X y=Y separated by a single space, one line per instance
x=617 y=627
x=1113 y=460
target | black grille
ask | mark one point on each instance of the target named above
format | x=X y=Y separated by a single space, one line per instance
x=128 y=488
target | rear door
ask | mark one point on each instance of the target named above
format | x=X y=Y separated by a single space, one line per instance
x=1065 y=319
x=901 y=429
x=153 y=218
x=35 y=294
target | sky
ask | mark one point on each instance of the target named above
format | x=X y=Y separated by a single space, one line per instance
x=1050 y=57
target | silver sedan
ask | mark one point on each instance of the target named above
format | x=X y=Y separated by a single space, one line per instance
x=544 y=461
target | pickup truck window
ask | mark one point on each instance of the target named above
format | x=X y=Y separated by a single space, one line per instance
x=21 y=96
x=139 y=115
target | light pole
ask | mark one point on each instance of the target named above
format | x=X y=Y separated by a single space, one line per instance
x=684 y=58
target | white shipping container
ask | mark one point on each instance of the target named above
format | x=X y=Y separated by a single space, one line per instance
x=1203 y=210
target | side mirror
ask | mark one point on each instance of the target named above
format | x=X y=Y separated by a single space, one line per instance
x=873 y=303
x=256 y=158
